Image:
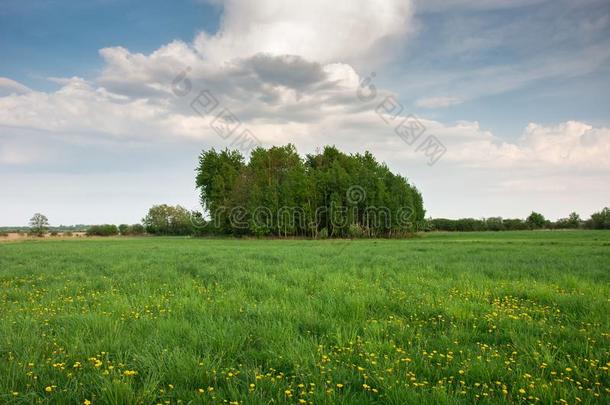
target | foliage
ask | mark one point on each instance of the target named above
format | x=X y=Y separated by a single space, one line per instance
x=103 y=230
x=486 y=318
x=571 y=222
x=131 y=230
x=536 y=220
x=278 y=193
x=600 y=220
x=136 y=229
x=168 y=220
x=39 y=224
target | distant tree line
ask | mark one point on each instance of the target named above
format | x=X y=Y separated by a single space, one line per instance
x=178 y=221
x=598 y=220
x=113 y=230
x=327 y=194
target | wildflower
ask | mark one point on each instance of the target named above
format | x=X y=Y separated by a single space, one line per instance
x=339 y=385
x=49 y=389
x=521 y=391
x=87 y=402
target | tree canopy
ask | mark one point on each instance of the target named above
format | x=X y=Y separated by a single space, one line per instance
x=39 y=224
x=279 y=193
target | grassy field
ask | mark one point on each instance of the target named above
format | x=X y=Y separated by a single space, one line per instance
x=444 y=318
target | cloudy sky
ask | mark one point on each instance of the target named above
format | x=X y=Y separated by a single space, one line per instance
x=490 y=107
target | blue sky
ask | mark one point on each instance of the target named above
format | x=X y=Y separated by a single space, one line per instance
x=518 y=92
x=41 y=39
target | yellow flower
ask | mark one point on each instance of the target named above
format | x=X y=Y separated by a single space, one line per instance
x=521 y=391
x=48 y=389
x=87 y=402
x=339 y=385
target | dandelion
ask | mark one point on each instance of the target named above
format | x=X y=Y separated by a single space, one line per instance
x=87 y=402
x=49 y=389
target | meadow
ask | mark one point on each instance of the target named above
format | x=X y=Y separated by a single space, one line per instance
x=512 y=317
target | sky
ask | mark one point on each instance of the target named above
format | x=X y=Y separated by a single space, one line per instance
x=489 y=107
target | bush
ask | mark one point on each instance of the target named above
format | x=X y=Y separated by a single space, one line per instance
x=355 y=231
x=136 y=229
x=54 y=233
x=68 y=234
x=515 y=224
x=3 y=234
x=103 y=230
x=123 y=229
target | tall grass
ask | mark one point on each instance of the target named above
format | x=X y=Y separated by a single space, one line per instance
x=446 y=318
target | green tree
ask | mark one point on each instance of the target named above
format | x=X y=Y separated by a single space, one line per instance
x=217 y=174
x=39 y=224
x=168 y=220
x=536 y=220
x=600 y=220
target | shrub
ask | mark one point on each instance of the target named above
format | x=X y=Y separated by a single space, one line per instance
x=355 y=231
x=54 y=233
x=103 y=230
x=69 y=234
x=136 y=229
x=124 y=229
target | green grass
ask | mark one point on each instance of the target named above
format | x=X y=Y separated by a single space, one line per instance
x=445 y=318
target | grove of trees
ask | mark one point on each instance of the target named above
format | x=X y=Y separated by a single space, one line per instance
x=328 y=194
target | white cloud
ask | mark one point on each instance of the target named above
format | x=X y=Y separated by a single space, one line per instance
x=9 y=86
x=319 y=30
x=438 y=102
